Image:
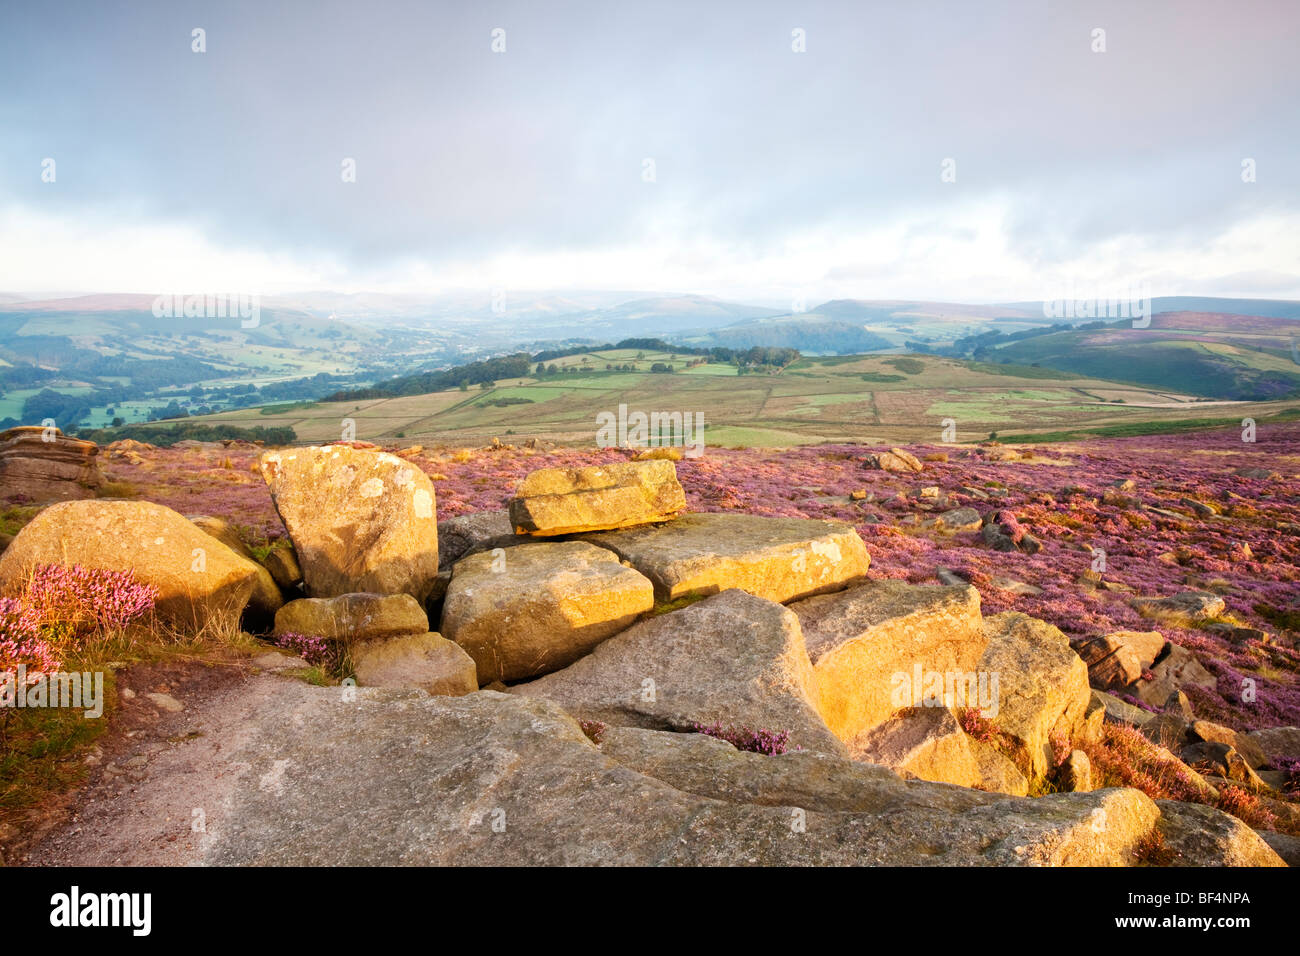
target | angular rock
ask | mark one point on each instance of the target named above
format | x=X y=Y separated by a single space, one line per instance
x=780 y=559
x=472 y=533
x=428 y=662
x=1197 y=605
x=1244 y=744
x=359 y=520
x=1278 y=743
x=1116 y=660
x=353 y=617
x=1075 y=775
x=1042 y=688
x=1178 y=704
x=867 y=643
x=40 y=464
x=555 y=501
x=896 y=460
x=201 y=583
x=998 y=774
x=539 y=607
x=922 y=742
x=282 y=564
x=1179 y=668
x=1121 y=712
x=1283 y=844
x=958 y=519
x=1221 y=760
x=732 y=659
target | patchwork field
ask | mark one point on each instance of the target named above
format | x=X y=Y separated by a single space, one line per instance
x=841 y=398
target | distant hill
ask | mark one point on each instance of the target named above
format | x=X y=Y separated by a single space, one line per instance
x=809 y=332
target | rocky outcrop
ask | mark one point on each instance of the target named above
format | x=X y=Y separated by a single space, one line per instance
x=1178 y=668
x=201 y=583
x=871 y=645
x=514 y=781
x=42 y=464
x=555 y=501
x=732 y=659
x=922 y=742
x=469 y=534
x=538 y=607
x=1118 y=659
x=360 y=520
x=780 y=559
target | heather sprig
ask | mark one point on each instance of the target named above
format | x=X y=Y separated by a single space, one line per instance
x=760 y=741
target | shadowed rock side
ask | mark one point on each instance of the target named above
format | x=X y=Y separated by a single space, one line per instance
x=490 y=779
x=360 y=520
x=42 y=464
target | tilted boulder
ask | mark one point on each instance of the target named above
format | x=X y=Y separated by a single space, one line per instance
x=282 y=563
x=870 y=643
x=359 y=520
x=42 y=464
x=428 y=662
x=1278 y=743
x=200 y=581
x=1042 y=689
x=775 y=558
x=922 y=742
x=732 y=659
x=353 y=617
x=1116 y=660
x=555 y=501
x=538 y=607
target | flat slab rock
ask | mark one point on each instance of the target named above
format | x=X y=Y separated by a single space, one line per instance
x=780 y=559
x=870 y=643
x=401 y=778
x=353 y=617
x=428 y=662
x=538 y=607
x=556 y=501
x=733 y=659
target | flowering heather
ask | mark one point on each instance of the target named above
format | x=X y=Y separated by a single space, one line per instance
x=977 y=725
x=317 y=651
x=21 y=641
x=75 y=603
x=767 y=742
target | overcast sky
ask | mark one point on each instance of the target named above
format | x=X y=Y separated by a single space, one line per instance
x=776 y=172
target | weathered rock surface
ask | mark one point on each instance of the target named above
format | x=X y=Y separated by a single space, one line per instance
x=469 y=534
x=359 y=520
x=266 y=598
x=958 y=519
x=282 y=564
x=1197 y=605
x=733 y=659
x=555 y=501
x=895 y=460
x=353 y=617
x=780 y=559
x=200 y=581
x=1075 y=775
x=922 y=742
x=1244 y=744
x=1042 y=688
x=428 y=662
x=1120 y=711
x=870 y=644
x=540 y=606
x=1202 y=836
x=489 y=779
x=1278 y=742
x=38 y=470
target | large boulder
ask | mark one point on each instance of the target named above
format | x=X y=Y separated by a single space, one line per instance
x=428 y=662
x=1194 y=834
x=353 y=617
x=201 y=582
x=266 y=598
x=1042 y=689
x=1116 y=660
x=871 y=644
x=780 y=559
x=731 y=659
x=360 y=520
x=554 y=501
x=512 y=781
x=539 y=606
x=40 y=464
x=896 y=460
x=469 y=534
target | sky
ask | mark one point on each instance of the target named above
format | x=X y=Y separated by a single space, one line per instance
x=757 y=151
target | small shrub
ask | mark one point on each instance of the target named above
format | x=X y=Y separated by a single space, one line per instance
x=977 y=725
x=1152 y=850
x=594 y=729
x=75 y=604
x=1245 y=806
x=761 y=741
x=316 y=651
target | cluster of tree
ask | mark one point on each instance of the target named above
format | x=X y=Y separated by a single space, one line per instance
x=166 y=435
x=475 y=373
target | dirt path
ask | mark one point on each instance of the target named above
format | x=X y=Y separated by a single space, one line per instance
x=160 y=775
